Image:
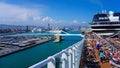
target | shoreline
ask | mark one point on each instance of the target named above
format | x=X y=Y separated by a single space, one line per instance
x=26 y=47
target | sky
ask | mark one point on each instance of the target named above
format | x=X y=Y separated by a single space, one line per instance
x=55 y=12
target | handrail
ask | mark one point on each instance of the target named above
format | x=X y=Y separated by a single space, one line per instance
x=71 y=54
x=113 y=63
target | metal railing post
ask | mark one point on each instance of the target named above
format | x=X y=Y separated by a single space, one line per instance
x=64 y=59
x=73 y=57
x=51 y=64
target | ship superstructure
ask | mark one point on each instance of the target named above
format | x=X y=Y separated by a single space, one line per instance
x=106 y=24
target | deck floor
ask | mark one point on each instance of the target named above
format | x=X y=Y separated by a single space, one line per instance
x=103 y=65
x=92 y=43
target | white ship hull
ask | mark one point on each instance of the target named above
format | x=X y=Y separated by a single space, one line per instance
x=55 y=31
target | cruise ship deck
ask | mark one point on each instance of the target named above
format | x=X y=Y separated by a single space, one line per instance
x=94 y=45
x=90 y=42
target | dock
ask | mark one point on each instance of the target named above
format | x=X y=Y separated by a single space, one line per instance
x=15 y=47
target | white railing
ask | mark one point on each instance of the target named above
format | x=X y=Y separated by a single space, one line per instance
x=67 y=58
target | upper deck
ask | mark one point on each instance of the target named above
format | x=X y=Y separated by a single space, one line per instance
x=106 y=24
x=108 y=45
x=105 y=18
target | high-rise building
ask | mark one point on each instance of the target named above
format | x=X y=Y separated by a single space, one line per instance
x=27 y=28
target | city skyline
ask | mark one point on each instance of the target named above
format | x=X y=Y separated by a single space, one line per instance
x=55 y=12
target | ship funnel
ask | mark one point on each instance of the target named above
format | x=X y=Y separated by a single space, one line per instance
x=111 y=13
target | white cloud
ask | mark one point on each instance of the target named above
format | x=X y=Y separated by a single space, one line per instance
x=48 y=20
x=75 y=21
x=44 y=19
x=13 y=14
x=84 y=24
x=36 y=18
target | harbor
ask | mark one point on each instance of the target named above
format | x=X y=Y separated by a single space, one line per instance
x=59 y=34
x=9 y=48
x=38 y=52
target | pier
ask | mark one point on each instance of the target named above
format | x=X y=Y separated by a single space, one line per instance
x=15 y=47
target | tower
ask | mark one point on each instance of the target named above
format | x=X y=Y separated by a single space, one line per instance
x=48 y=26
x=27 y=28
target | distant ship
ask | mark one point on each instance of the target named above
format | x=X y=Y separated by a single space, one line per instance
x=106 y=24
x=36 y=30
x=55 y=31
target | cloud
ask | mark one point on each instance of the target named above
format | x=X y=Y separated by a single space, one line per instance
x=84 y=24
x=36 y=18
x=13 y=14
x=75 y=21
x=48 y=19
x=20 y=15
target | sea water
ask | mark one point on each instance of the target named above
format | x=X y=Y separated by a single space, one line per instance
x=31 y=56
